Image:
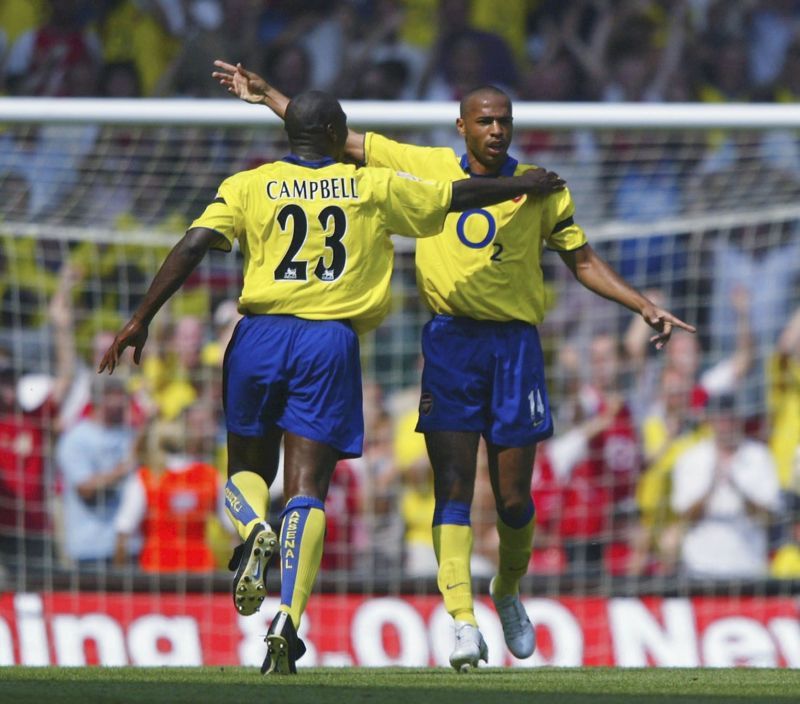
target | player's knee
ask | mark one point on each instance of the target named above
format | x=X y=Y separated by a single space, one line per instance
x=515 y=510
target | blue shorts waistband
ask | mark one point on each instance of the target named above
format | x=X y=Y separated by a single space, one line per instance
x=468 y=322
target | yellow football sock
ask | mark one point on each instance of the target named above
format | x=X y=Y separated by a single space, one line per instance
x=516 y=545
x=453 y=547
x=302 y=537
x=246 y=501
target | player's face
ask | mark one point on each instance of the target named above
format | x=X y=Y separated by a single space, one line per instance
x=487 y=127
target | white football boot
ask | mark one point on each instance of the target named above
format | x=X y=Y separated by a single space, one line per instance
x=470 y=647
x=517 y=627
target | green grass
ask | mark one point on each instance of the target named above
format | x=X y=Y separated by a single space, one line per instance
x=233 y=685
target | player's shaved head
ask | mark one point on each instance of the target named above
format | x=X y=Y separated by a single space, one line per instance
x=480 y=93
x=312 y=111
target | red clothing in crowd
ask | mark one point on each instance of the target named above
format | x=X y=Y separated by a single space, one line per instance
x=341 y=510
x=22 y=466
x=179 y=505
x=583 y=504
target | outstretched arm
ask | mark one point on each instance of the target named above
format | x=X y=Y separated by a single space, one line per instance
x=596 y=275
x=180 y=262
x=478 y=192
x=252 y=88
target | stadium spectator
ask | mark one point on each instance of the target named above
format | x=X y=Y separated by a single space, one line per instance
x=773 y=26
x=383 y=523
x=30 y=407
x=49 y=158
x=95 y=457
x=589 y=472
x=171 y=498
x=686 y=359
x=175 y=378
x=785 y=87
x=671 y=419
x=281 y=395
x=572 y=505
x=320 y=28
x=416 y=497
x=392 y=66
x=293 y=64
x=762 y=260
x=630 y=51
x=464 y=57
x=785 y=562
x=343 y=527
x=210 y=29
x=25 y=538
x=20 y=16
x=41 y=59
x=386 y=80
x=136 y=33
x=784 y=404
x=483 y=329
x=723 y=489
x=466 y=66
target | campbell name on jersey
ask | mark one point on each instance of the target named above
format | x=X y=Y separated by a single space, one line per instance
x=486 y=263
x=315 y=235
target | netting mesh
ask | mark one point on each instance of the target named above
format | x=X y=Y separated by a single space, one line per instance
x=706 y=221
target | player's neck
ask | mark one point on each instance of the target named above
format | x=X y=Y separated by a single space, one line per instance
x=476 y=168
x=310 y=154
x=310 y=150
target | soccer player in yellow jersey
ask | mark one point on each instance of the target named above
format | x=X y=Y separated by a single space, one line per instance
x=483 y=371
x=314 y=235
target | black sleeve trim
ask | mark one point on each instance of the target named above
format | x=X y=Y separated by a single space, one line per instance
x=219 y=199
x=574 y=249
x=563 y=225
x=220 y=243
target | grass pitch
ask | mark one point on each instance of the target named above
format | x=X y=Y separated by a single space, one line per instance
x=233 y=685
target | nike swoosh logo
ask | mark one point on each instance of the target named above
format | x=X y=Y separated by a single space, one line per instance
x=453 y=586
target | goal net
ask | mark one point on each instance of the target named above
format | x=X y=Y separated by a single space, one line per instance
x=642 y=556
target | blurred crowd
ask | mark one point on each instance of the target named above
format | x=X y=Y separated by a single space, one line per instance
x=679 y=462
x=537 y=50
x=635 y=50
x=682 y=462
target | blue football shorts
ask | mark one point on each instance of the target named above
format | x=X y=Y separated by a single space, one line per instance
x=302 y=375
x=486 y=377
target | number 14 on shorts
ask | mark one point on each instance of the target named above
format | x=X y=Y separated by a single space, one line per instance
x=537 y=406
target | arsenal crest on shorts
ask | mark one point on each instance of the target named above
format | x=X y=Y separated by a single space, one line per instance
x=425 y=404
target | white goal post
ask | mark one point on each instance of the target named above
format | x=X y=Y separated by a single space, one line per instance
x=384 y=114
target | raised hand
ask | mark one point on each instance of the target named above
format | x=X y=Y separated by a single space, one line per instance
x=244 y=84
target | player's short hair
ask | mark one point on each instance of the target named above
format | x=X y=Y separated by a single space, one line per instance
x=480 y=90
x=312 y=111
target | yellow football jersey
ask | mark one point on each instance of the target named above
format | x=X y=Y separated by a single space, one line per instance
x=486 y=264
x=315 y=235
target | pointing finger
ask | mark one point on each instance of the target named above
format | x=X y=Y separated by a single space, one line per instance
x=685 y=326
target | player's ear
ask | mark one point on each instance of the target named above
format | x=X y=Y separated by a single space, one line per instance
x=331 y=132
x=460 y=126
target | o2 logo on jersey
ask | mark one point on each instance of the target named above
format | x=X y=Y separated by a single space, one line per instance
x=491 y=230
x=461 y=227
